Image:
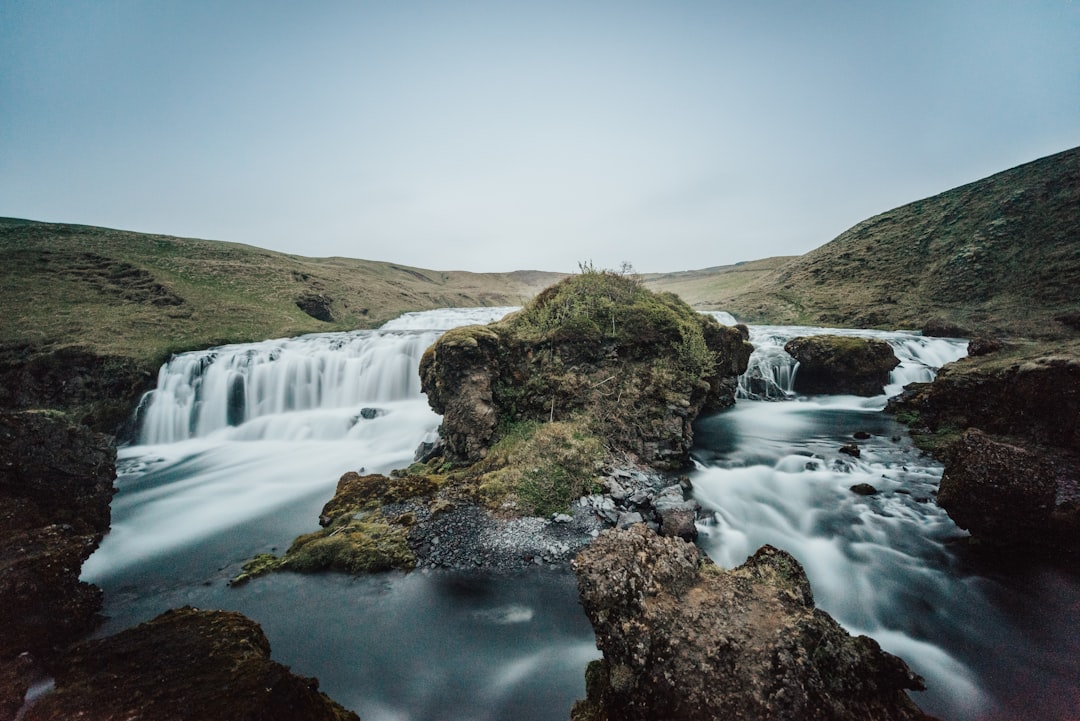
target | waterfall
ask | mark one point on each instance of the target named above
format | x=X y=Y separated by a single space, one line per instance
x=771 y=372
x=314 y=386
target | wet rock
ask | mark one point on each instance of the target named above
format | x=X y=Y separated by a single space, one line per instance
x=1009 y=495
x=98 y=391
x=678 y=520
x=369 y=413
x=184 y=665
x=851 y=450
x=861 y=435
x=683 y=639
x=841 y=364
x=864 y=489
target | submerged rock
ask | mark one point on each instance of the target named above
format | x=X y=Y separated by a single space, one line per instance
x=841 y=364
x=684 y=640
x=185 y=665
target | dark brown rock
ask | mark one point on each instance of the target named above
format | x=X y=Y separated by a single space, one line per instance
x=684 y=640
x=317 y=305
x=1009 y=495
x=984 y=346
x=841 y=364
x=95 y=390
x=184 y=665
x=458 y=374
x=1072 y=320
x=55 y=487
x=864 y=489
x=1035 y=397
x=941 y=328
x=679 y=520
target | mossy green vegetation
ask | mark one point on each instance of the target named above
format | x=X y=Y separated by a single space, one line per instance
x=364 y=543
x=537 y=469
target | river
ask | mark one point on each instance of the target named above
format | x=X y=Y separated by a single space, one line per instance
x=240 y=446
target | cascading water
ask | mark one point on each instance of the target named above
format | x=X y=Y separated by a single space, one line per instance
x=882 y=564
x=771 y=372
x=241 y=445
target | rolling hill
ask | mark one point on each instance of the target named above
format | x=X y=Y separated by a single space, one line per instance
x=997 y=256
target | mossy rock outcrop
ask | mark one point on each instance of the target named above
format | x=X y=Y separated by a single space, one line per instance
x=841 y=364
x=357 y=535
x=184 y=665
x=1007 y=425
x=684 y=639
x=633 y=366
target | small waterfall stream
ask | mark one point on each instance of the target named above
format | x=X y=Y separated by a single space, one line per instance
x=241 y=445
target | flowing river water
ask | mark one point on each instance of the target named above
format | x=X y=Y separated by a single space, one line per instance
x=240 y=446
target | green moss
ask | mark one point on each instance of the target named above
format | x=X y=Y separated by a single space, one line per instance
x=358 y=545
x=356 y=493
x=541 y=468
x=260 y=565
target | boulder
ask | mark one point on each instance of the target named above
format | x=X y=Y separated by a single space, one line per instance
x=941 y=328
x=55 y=488
x=1013 y=496
x=841 y=364
x=634 y=367
x=683 y=639
x=183 y=665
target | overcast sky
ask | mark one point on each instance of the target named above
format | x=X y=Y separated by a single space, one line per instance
x=509 y=135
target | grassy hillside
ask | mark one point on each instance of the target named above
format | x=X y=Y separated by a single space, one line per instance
x=142 y=296
x=1000 y=255
x=708 y=288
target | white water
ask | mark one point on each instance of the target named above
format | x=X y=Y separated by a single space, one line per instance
x=771 y=373
x=216 y=486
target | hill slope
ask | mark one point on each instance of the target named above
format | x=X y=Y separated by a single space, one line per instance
x=1000 y=255
x=90 y=313
x=706 y=288
x=143 y=295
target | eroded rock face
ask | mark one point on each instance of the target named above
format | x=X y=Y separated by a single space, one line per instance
x=1008 y=495
x=55 y=488
x=97 y=391
x=1031 y=398
x=184 y=665
x=684 y=640
x=841 y=364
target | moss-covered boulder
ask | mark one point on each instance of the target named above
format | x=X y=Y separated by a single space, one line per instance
x=632 y=366
x=841 y=364
x=683 y=639
x=359 y=535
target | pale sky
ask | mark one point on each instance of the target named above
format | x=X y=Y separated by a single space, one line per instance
x=493 y=136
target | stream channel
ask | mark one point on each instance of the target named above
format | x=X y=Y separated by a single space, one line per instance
x=240 y=446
